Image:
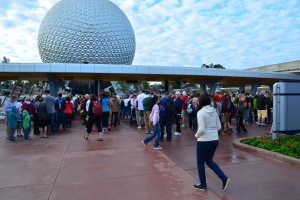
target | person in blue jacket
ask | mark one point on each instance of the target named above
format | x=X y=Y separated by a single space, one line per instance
x=165 y=116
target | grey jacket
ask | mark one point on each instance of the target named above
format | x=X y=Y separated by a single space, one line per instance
x=117 y=104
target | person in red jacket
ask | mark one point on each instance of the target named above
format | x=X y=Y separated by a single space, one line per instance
x=69 y=111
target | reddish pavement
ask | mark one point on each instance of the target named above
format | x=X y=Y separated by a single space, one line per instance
x=67 y=167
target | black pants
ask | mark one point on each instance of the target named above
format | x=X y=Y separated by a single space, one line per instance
x=68 y=119
x=177 y=122
x=95 y=119
x=240 y=125
x=36 y=130
x=105 y=116
x=114 y=118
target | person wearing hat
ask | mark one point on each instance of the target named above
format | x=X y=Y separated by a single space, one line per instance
x=184 y=114
x=217 y=95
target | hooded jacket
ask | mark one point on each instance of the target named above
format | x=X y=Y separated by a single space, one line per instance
x=208 y=124
x=13 y=118
x=117 y=104
x=26 y=119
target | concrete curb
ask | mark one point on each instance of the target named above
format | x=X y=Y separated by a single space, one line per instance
x=277 y=156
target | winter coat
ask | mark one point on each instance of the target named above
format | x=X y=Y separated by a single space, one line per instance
x=13 y=118
x=26 y=119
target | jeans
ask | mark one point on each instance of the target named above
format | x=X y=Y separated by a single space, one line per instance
x=26 y=133
x=177 y=122
x=61 y=118
x=114 y=118
x=205 y=153
x=250 y=121
x=156 y=133
x=166 y=122
x=192 y=119
x=96 y=119
x=12 y=134
x=52 y=122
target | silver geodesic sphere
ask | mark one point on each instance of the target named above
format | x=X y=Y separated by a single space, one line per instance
x=86 y=31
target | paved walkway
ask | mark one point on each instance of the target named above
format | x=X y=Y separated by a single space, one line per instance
x=66 y=167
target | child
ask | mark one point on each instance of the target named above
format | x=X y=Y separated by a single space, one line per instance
x=26 y=124
x=154 y=121
x=12 y=123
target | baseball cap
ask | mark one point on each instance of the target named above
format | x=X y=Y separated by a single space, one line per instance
x=177 y=92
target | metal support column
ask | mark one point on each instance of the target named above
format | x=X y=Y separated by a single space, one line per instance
x=202 y=88
x=52 y=85
x=242 y=88
x=166 y=86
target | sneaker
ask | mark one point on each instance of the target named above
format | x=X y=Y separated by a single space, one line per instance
x=182 y=125
x=25 y=140
x=225 y=183
x=176 y=133
x=139 y=127
x=145 y=144
x=159 y=147
x=263 y=125
x=86 y=137
x=245 y=132
x=200 y=187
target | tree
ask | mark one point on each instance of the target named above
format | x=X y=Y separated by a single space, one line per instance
x=5 y=60
x=212 y=66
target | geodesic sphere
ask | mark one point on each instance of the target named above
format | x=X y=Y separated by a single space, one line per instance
x=80 y=31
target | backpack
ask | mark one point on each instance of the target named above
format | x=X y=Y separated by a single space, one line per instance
x=97 y=108
x=229 y=106
x=189 y=108
x=244 y=100
x=59 y=101
x=171 y=107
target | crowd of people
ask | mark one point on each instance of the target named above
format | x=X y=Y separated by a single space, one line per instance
x=207 y=115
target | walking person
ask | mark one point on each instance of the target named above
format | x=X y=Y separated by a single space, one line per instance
x=207 y=142
x=94 y=116
x=154 y=121
x=43 y=116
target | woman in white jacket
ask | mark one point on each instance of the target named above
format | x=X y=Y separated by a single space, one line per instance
x=207 y=142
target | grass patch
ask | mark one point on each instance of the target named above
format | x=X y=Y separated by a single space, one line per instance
x=286 y=145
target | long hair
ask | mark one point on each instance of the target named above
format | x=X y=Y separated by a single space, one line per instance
x=214 y=100
x=93 y=97
x=203 y=101
x=153 y=102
